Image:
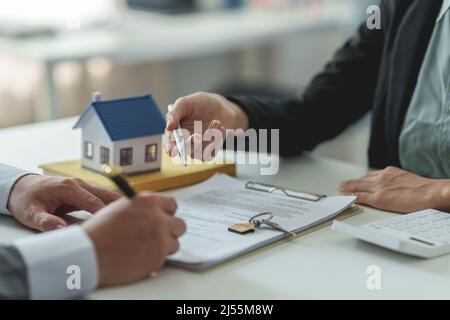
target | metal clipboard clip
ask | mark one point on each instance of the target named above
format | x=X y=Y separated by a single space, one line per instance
x=258 y=186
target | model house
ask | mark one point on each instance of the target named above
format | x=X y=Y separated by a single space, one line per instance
x=125 y=133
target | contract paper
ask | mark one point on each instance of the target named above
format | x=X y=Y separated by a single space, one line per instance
x=209 y=208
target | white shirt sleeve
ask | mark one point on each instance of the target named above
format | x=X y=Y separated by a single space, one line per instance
x=8 y=177
x=61 y=264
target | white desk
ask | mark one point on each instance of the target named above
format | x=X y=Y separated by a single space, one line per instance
x=324 y=264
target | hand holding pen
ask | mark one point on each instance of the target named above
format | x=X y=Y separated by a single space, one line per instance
x=133 y=235
x=209 y=111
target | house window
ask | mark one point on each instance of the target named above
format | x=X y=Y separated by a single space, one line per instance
x=126 y=156
x=151 y=152
x=88 y=150
x=104 y=155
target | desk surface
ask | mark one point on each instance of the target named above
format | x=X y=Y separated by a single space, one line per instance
x=324 y=264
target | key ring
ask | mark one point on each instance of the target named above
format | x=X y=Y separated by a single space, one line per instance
x=258 y=222
x=275 y=226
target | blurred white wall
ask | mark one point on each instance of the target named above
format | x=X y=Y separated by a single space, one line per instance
x=289 y=62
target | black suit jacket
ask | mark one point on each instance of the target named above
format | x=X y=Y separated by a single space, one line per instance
x=376 y=70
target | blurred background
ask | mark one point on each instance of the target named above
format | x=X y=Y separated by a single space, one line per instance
x=55 y=53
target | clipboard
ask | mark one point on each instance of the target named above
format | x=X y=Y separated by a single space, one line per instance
x=321 y=220
x=348 y=213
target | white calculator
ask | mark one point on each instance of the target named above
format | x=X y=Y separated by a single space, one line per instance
x=424 y=233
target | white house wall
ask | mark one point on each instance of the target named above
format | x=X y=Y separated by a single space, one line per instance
x=93 y=131
x=138 y=145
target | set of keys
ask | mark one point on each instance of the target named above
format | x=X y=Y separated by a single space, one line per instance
x=260 y=220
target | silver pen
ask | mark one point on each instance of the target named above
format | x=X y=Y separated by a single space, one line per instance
x=179 y=140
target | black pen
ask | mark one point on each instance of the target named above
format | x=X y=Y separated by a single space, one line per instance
x=115 y=174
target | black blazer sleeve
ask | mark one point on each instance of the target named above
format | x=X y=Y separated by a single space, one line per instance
x=339 y=95
x=13 y=274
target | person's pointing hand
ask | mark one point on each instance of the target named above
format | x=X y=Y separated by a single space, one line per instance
x=212 y=110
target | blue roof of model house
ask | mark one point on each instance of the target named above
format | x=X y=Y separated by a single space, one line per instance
x=128 y=118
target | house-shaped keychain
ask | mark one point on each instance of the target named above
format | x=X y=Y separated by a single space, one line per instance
x=125 y=133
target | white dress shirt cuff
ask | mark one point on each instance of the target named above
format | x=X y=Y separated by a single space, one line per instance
x=61 y=264
x=8 y=178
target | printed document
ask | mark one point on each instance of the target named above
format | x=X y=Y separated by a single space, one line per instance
x=209 y=208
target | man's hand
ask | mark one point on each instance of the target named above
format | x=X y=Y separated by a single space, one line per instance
x=133 y=237
x=214 y=112
x=396 y=190
x=38 y=202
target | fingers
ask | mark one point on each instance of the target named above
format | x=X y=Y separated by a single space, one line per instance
x=214 y=137
x=71 y=193
x=47 y=222
x=42 y=221
x=374 y=173
x=172 y=246
x=352 y=186
x=363 y=198
x=106 y=195
x=178 y=227
x=216 y=124
x=364 y=184
x=163 y=209
x=151 y=202
x=203 y=147
x=374 y=181
x=168 y=204
x=368 y=199
x=195 y=144
x=182 y=109
x=170 y=145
